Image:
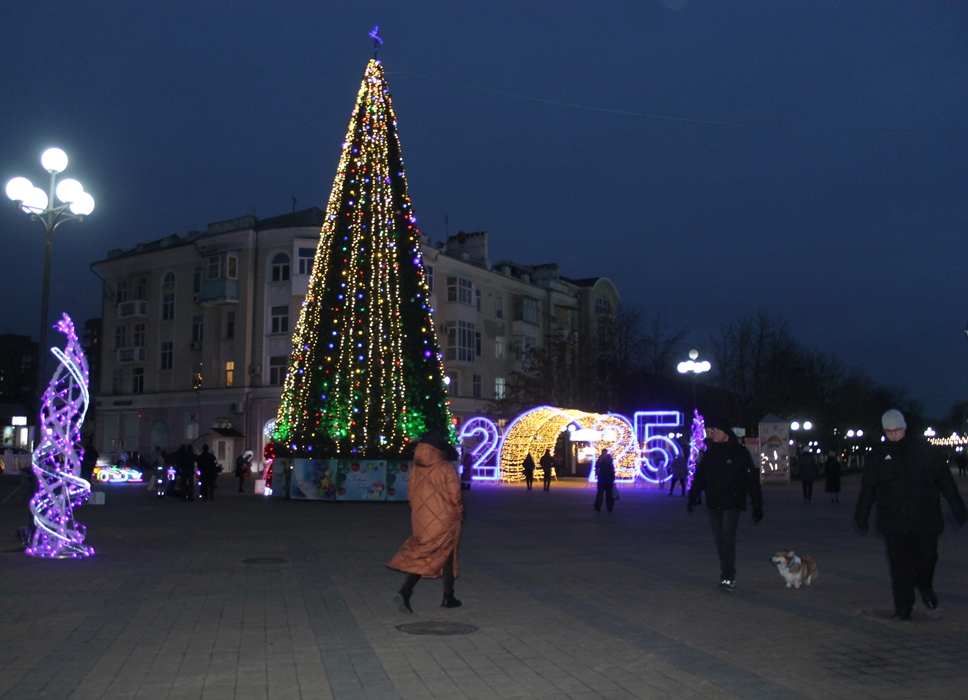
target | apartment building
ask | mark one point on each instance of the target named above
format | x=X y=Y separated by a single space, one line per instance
x=197 y=328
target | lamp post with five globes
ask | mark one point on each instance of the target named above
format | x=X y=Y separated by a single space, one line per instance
x=40 y=206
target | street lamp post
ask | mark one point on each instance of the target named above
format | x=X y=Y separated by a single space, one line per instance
x=696 y=368
x=40 y=206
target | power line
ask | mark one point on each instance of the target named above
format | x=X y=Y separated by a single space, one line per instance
x=691 y=120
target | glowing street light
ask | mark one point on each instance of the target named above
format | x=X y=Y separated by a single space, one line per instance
x=40 y=205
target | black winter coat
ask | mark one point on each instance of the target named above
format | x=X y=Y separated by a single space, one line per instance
x=605 y=471
x=727 y=474
x=906 y=479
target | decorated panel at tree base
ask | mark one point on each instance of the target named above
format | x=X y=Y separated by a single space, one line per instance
x=349 y=479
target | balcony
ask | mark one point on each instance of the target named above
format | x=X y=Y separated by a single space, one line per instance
x=136 y=308
x=127 y=356
x=219 y=291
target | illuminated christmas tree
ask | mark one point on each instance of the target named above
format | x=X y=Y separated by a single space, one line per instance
x=365 y=376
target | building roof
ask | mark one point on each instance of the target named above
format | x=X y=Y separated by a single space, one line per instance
x=298 y=219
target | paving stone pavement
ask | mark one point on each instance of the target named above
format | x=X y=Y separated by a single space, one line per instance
x=568 y=603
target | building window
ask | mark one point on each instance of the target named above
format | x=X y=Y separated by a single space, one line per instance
x=279 y=319
x=138 y=380
x=119 y=336
x=197 y=281
x=117 y=382
x=121 y=294
x=429 y=277
x=603 y=306
x=477 y=386
x=498 y=306
x=168 y=306
x=466 y=342
x=214 y=267
x=168 y=280
x=198 y=328
x=477 y=299
x=526 y=309
x=277 y=370
x=167 y=355
x=229 y=373
x=138 y=337
x=522 y=344
x=306 y=258
x=451 y=289
x=465 y=291
x=197 y=376
x=141 y=289
x=232 y=266
x=499 y=387
x=477 y=344
x=280 y=268
x=230 y=325
x=453 y=388
x=499 y=347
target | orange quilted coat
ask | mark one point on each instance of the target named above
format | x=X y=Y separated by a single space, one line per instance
x=437 y=511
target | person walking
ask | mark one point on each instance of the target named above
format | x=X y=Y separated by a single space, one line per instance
x=547 y=463
x=679 y=471
x=961 y=461
x=208 y=473
x=905 y=478
x=242 y=465
x=831 y=471
x=89 y=460
x=436 y=515
x=529 y=467
x=728 y=476
x=186 y=472
x=605 y=470
x=809 y=471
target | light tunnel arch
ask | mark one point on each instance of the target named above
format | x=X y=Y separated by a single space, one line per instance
x=538 y=429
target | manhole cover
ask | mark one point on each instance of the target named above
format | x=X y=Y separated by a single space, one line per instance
x=885 y=614
x=437 y=629
x=264 y=560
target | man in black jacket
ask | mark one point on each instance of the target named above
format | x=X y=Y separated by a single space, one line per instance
x=727 y=474
x=605 y=469
x=906 y=478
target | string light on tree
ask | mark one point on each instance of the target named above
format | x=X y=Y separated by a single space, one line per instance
x=365 y=375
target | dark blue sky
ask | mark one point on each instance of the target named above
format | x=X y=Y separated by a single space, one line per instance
x=849 y=219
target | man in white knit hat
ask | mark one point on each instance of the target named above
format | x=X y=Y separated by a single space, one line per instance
x=906 y=478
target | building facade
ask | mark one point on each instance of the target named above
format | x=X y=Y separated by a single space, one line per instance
x=197 y=329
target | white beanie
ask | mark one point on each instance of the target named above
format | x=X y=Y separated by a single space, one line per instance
x=893 y=419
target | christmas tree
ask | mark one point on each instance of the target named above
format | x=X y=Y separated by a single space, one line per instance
x=365 y=376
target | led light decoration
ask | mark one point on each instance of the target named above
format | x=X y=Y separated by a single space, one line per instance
x=538 y=429
x=696 y=444
x=483 y=466
x=656 y=451
x=57 y=459
x=118 y=474
x=365 y=376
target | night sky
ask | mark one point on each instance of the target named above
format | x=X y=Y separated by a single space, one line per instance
x=712 y=158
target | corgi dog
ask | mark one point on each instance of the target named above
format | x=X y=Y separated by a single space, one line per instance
x=796 y=570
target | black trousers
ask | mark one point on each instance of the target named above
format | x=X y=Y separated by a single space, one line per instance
x=673 y=486
x=605 y=491
x=547 y=480
x=807 y=489
x=724 y=522
x=413 y=579
x=529 y=479
x=912 y=562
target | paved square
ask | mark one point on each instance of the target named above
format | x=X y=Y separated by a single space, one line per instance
x=248 y=597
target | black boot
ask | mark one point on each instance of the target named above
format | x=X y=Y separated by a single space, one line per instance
x=929 y=598
x=901 y=614
x=402 y=599
x=450 y=601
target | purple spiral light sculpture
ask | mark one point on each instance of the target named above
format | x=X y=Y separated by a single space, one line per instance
x=57 y=459
x=696 y=444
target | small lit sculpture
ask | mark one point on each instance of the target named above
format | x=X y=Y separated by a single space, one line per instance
x=57 y=459
x=696 y=443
